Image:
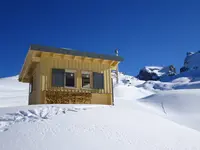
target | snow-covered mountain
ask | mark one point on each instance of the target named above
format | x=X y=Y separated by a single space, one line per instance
x=156 y=72
x=143 y=117
x=190 y=69
x=191 y=62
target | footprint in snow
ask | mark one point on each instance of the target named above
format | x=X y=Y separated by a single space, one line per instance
x=33 y=115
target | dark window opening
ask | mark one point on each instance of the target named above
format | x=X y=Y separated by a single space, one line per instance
x=86 y=80
x=69 y=79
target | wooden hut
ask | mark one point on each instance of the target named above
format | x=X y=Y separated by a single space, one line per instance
x=65 y=76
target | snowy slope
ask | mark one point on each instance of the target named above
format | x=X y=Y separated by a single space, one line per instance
x=181 y=106
x=12 y=92
x=127 y=80
x=116 y=127
x=178 y=83
x=161 y=120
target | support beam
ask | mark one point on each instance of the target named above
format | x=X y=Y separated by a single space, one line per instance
x=63 y=57
x=83 y=59
x=112 y=62
x=115 y=63
x=36 y=59
x=101 y=61
x=46 y=54
x=26 y=65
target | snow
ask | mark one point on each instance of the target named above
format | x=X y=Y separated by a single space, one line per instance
x=181 y=106
x=178 y=83
x=103 y=127
x=127 y=80
x=154 y=69
x=140 y=119
x=192 y=74
x=130 y=92
x=12 y=92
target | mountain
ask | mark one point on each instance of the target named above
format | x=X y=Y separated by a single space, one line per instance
x=156 y=72
x=142 y=118
x=191 y=62
x=190 y=70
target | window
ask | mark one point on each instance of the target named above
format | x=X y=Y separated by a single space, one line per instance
x=70 y=79
x=98 y=80
x=86 y=80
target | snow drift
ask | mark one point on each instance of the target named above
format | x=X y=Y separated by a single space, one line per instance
x=12 y=92
x=103 y=127
x=181 y=106
x=178 y=83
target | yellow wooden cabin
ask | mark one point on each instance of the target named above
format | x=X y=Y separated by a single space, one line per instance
x=65 y=76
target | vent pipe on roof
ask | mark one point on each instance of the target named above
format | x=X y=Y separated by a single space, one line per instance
x=117 y=68
x=116 y=52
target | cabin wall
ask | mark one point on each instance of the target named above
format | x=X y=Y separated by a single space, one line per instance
x=47 y=63
x=38 y=81
x=34 y=96
x=105 y=99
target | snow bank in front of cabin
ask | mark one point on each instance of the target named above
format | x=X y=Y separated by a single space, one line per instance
x=130 y=92
x=32 y=115
x=102 y=127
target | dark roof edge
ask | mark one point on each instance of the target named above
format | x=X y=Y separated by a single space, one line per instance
x=74 y=52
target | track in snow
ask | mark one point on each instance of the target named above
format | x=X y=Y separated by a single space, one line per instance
x=32 y=115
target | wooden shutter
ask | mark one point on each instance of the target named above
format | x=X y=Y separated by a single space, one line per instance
x=98 y=80
x=58 y=77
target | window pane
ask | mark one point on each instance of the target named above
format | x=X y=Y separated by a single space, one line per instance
x=69 y=79
x=86 y=80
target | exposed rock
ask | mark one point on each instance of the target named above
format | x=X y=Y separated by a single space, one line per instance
x=156 y=72
x=191 y=62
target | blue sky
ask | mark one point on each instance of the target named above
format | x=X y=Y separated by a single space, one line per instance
x=147 y=32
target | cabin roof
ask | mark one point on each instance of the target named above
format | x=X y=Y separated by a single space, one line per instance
x=37 y=51
x=68 y=51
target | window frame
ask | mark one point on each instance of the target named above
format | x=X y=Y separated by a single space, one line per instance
x=70 y=71
x=91 y=85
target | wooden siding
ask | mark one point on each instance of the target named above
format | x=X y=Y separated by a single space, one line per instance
x=105 y=99
x=38 y=92
x=63 y=62
x=34 y=97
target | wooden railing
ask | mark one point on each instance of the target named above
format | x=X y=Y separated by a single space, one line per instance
x=67 y=96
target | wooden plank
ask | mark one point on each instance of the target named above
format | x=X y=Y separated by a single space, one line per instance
x=36 y=59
